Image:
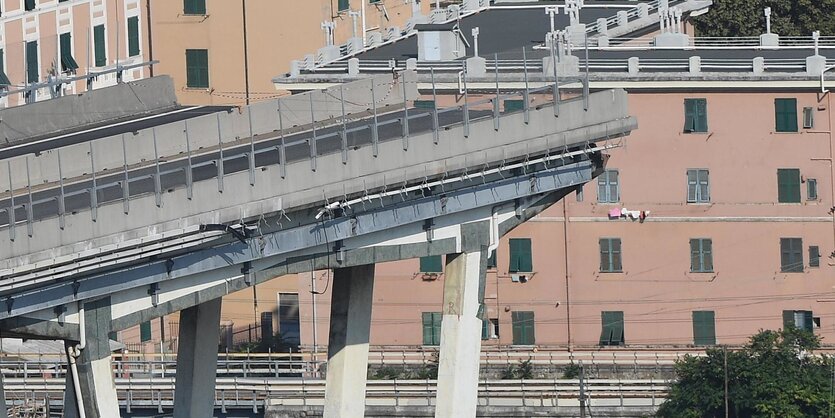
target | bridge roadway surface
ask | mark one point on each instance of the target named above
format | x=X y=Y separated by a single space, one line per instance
x=90 y=133
x=234 y=160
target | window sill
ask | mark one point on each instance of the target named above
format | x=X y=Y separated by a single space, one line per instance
x=702 y=272
x=786 y=133
x=700 y=203
x=697 y=133
x=206 y=89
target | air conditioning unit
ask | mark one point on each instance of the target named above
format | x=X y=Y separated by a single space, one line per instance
x=429 y=277
x=808 y=118
x=519 y=278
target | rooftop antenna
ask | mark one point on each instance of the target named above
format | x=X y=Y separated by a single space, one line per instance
x=678 y=14
x=767 y=20
x=572 y=9
x=475 y=40
x=328 y=27
x=354 y=15
x=551 y=11
x=816 y=37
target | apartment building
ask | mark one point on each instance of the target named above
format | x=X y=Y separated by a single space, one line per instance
x=224 y=52
x=65 y=40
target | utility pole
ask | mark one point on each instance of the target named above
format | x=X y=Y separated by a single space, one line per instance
x=725 y=352
x=582 y=391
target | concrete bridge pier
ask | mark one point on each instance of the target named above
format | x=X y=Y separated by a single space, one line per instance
x=194 y=389
x=350 y=328
x=458 y=365
x=3 y=412
x=92 y=363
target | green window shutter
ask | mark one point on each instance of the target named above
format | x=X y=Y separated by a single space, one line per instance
x=431 y=264
x=811 y=189
x=427 y=328
x=695 y=255
x=791 y=255
x=612 y=332
x=521 y=259
x=485 y=329
x=28 y=5
x=113 y=335
x=788 y=319
x=194 y=7
x=707 y=255
x=32 y=70
x=344 y=5
x=523 y=328
x=145 y=331
x=99 y=46
x=67 y=61
x=698 y=186
x=513 y=105
x=491 y=261
x=704 y=328
x=424 y=104
x=133 y=36
x=432 y=328
x=814 y=256
x=808 y=321
x=197 y=68
x=785 y=115
x=605 y=258
x=695 y=115
x=788 y=185
x=4 y=79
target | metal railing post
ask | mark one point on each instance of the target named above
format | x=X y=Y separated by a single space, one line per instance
x=344 y=126
x=157 y=181
x=29 y=212
x=496 y=103
x=466 y=107
x=405 y=114
x=526 y=106
x=556 y=79
x=126 y=185
x=11 y=204
x=374 y=134
x=189 y=174
x=61 y=201
x=94 y=191
x=435 y=127
x=586 y=83
x=220 y=156
x=251 y=159
x=282 y=159
x=312 y=140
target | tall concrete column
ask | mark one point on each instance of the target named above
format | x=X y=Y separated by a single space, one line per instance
x=95 y=371
x=194 y=389
x=460 y=336
x=3 y=413
x=350 y=328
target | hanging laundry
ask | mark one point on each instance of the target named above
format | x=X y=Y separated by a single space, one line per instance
x=614 y=213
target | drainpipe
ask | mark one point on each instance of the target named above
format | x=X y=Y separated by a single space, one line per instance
x=72 y=354
x=567 y=275
x=150 y=35
x=246 y=54
x=364 y=26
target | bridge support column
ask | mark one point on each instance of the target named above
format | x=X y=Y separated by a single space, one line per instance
x=350 y=328
x=457 y=394
x=3 y=413
x=194 y=390
x=95 y=371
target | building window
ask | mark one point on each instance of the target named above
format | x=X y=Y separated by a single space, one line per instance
x=145 y=331
x=521 y=258
x=610 y=255
x=100 y=47
x=67 y=61
x=791 y=255
x=785 y=114
x=194 y=7
x=432 y=328
x=798 y=319
x=133 y=36
x=491 y=260
x=701 y=255
x=4 y=79
x=490 y=329
x=811 y=189
x=808 y=118
x=814 y=256
x=695 y=115
x=113 y=335
x=289 y=325
x=698 y=186
x=612 y=332
x=344 y=5
x=267 y=328
x=28 y=5
x=197 y=68
x=788 y=185
x=32 y=70
x=523 y=328
x=514 y=105
x=431 y=264
x=704 y=328
x=424 y=104
x=608 y=187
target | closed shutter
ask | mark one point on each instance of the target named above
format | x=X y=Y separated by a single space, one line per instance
x=612 y=332
x=431 y=264
x=704 y=186
x=704 y=328
x=695 y=115
x=791 y=255
x=521 y=258
x=701 y=115
x=614 y=190
x=194 y=7
x=785 y=115
x=523 y=328
x=344 y=5
x=145 y=331
x=814 y=256
x=197 y=68
x=788 y=185
x=133 y=36
x=695 y=256
x=432 y=328
x=32 y=70
x=616 y=258
x=605 y=255
x=707 y=255
x=692 y=186
x=485 y=329
x=788 y=319
x=100 y=47
x=808 y=321
x=4 y=79
x=513 y=105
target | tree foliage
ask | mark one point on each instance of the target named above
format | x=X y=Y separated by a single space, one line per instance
x=774 y=375
x=746 y=18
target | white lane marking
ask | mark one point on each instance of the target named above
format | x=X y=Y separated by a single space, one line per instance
x=54 y=138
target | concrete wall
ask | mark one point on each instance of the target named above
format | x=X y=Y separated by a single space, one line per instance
x=93 y=107
x=657 y=292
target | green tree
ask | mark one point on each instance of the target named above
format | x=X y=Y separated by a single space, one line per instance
x=788 y=18
x=774 y=375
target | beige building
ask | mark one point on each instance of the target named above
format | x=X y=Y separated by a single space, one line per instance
x=224 y=52
x=63 y=40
